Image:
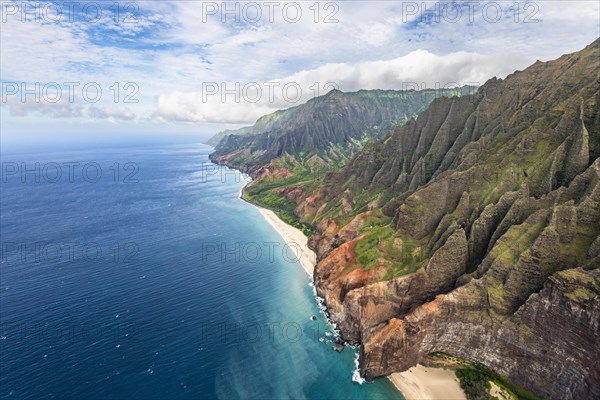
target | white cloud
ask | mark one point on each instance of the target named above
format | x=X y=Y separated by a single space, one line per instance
x=417 y=70
x=171 y=52
x=60 y=109
x=111 y=113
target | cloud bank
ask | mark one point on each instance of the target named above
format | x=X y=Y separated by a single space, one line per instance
x=173 y=51
x=244 y=102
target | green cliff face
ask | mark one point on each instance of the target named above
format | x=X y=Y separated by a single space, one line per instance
x=328 y=128
x=264 y=124
x=298 y=146
x=472 y=230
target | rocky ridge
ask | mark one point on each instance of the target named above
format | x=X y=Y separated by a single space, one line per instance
x=474 y=230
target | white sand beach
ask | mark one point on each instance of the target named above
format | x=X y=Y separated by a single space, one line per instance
x=295 y=238
x=422 y=383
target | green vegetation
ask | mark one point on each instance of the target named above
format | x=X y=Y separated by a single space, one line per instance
x=475 y=378
x=502 y=382
x=474 y=383
x=381 y=246
x=582 y=286
x=279 y=204
x=369 y=248
x=270 y=192
x=516 y=240
x=375 y=220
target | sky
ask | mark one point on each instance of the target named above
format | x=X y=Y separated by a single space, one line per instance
x=110 y=68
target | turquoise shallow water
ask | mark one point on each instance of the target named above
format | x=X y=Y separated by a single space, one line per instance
x=155 y=282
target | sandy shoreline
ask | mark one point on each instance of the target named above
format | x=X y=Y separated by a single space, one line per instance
x=422 y=383
x=295 y=238
x=419 y=383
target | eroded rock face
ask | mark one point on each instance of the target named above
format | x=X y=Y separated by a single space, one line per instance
x=505 y=193
x=331 y=235
x=359 y=306
x=550 y=344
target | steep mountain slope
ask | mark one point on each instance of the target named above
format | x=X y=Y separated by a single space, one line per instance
x=329 y=128
x=474 y=230
x=297 y=146
x=264 y=124
x=214 y=140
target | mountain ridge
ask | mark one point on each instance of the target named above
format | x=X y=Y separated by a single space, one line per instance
x=471 y=230
x=337 y=120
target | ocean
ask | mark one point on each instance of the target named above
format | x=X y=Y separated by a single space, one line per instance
x=138 y=273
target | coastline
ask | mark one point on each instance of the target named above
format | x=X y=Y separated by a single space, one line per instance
x=294 y=237
x=419 y=382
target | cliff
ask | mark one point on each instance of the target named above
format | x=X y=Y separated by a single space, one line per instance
x=472 y=230
x=477 y=234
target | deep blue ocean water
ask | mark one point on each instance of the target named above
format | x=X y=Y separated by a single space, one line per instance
x=154 y=280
